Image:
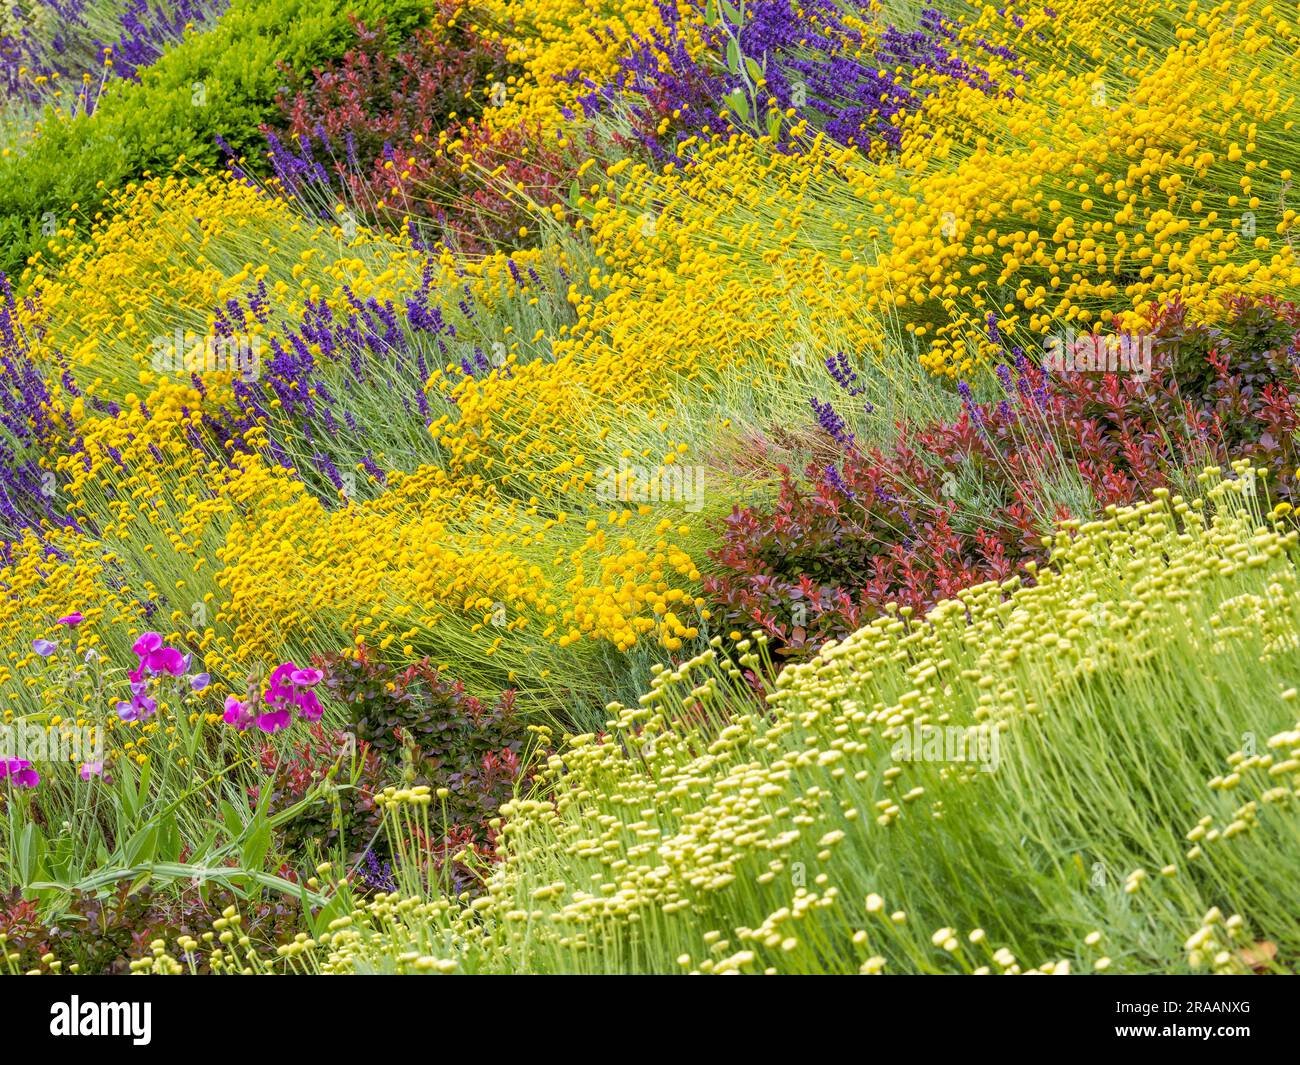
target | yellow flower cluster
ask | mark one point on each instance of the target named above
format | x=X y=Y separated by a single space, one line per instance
x=1123 y=173
x=508 y=552
x=166 y=253
x=550 y=40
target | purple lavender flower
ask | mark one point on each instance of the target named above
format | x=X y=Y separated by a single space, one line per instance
x=844 y=374
x=831 y=422
x=971 y=407
x=837 y=482
x=812 y=62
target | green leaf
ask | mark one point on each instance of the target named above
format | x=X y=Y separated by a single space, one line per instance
x=234 y=823
x=255 y=847
x=141 y=847
x=29 y=852
x=739 y=104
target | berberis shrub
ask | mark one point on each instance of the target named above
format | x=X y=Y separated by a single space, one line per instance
x=909 y=525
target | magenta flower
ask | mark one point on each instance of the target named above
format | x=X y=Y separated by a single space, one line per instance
x=156 y=658
x=277 y=691
x=72 y=620
x=237 y=714
x=44 y=648
x=92 y=769
x=309 y=707
x=20 y=772
x=288 y=690
x=271 y=721
x=147 y=643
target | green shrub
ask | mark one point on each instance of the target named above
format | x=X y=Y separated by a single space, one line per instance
x=221 y=83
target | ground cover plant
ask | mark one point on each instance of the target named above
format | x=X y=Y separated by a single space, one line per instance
x=670 y=486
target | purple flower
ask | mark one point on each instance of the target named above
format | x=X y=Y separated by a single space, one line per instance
x=139 y=708
x=814 y=60
x=237 y=714
x=844 y=374
x=376 y=876
x=309 y=707
x=199 y=681
x=44 y=648
x=831 y=422
x=92 y=769
x=72 y=620
x=837 y=482
x=289 y=690
x=963 y=389
x=156 y=658
x=277 y=691
x=20 y=772
x=272 y=721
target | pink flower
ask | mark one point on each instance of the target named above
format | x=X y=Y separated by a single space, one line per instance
x=92 y=769
x=156 y=658
x=273 y=720
x=277 y=690
x=72 y=620
x=289 y=688
x=237 y=714
x=147 y=643
x=309 y=707
x=20 y=772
